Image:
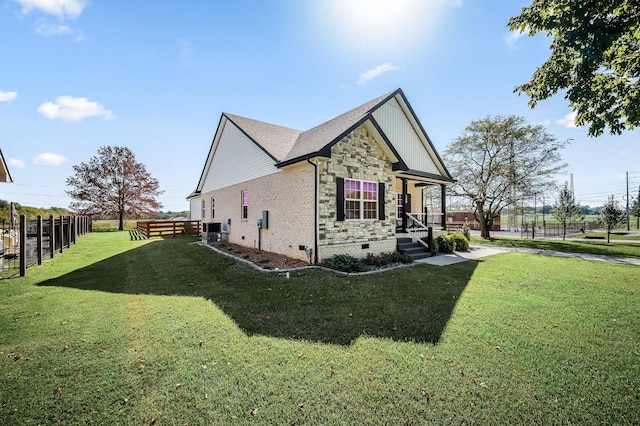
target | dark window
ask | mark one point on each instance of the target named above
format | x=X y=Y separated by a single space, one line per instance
x=245 y=204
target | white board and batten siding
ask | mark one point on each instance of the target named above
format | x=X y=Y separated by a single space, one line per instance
x=195 y=208
x=411 y=148
x=236 y=159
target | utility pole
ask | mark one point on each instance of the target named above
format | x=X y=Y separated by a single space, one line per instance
x=572 y=193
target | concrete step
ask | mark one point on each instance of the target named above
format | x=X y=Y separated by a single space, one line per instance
x=414 y=250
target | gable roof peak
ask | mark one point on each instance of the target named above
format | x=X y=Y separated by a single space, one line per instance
x=275 y=140
x=318 y=137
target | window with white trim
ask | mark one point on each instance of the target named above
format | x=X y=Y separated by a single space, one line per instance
x=361 y=199
x=245 y=205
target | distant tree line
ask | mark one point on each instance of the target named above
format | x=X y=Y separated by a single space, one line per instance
x=170 y=215
x=34 y=212
x=30 y=212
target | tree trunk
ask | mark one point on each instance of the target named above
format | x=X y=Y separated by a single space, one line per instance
x=484 y=222
x=121 y=222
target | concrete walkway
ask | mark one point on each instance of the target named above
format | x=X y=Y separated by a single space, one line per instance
x=478 y=251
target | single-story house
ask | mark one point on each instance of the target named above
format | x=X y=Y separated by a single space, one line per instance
x=351 y=185
x=5 y=176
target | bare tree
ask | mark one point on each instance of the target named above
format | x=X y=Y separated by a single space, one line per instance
x=114 y=183
x=499 y=158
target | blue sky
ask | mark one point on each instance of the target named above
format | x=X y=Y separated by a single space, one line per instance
x=155 y=77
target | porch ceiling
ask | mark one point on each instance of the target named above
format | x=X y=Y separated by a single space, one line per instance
x=422 y=178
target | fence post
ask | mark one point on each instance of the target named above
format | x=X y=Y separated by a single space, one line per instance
x=61 y=233
x=39 y=238
x=23 y=245
x=69 y=231
x=52 y=235
x=74 y=228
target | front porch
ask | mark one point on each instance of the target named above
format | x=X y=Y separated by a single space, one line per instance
x=420 y=204
x=420 y=213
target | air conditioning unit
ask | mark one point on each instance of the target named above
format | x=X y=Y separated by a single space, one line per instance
x=211 y=232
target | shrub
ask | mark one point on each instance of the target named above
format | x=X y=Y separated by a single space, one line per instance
x=466 y=232
x=459 y=241
x=373 y=260
x=345 y=263
x=387 y=258
x=444 y=244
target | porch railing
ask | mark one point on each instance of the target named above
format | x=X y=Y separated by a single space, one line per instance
x=417 y=230
x=432 y=219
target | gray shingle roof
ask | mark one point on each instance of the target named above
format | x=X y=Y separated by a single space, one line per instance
x=315 y=139
x=289 y=145
x=276 y=140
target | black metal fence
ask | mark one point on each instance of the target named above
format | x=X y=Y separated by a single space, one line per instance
x=9 y=250
x=36 y=240
x=556 y=229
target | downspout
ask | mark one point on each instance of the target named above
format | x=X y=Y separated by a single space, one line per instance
x=315 y=210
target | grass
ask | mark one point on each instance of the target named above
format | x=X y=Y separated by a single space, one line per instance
x=624 y=249
x=108 y=225
x=167 y=332
x=615 y=235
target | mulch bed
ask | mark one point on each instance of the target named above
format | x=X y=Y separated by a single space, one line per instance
x=263 y=259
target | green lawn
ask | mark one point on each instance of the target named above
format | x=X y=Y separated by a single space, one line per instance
x=615 y=235
x=166 y=332
x=110 y=225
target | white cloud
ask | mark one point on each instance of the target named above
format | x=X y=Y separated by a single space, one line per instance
x=568 y=121
x=70 y=9
x=375 y=72
x=512 y=37
x=544 y=123
x=50 y=30
x=50 y=159
x=15 y=163
x=8 y=96
x=68 y=108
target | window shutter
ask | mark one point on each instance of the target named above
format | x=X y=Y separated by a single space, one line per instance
x=339 y=199
x=381 y=201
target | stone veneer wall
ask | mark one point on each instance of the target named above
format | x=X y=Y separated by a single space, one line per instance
x=357 y=156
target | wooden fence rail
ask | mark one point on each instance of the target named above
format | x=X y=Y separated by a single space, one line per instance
x=164 y=228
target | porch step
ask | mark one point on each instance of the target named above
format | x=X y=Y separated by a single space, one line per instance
x=414 y=250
